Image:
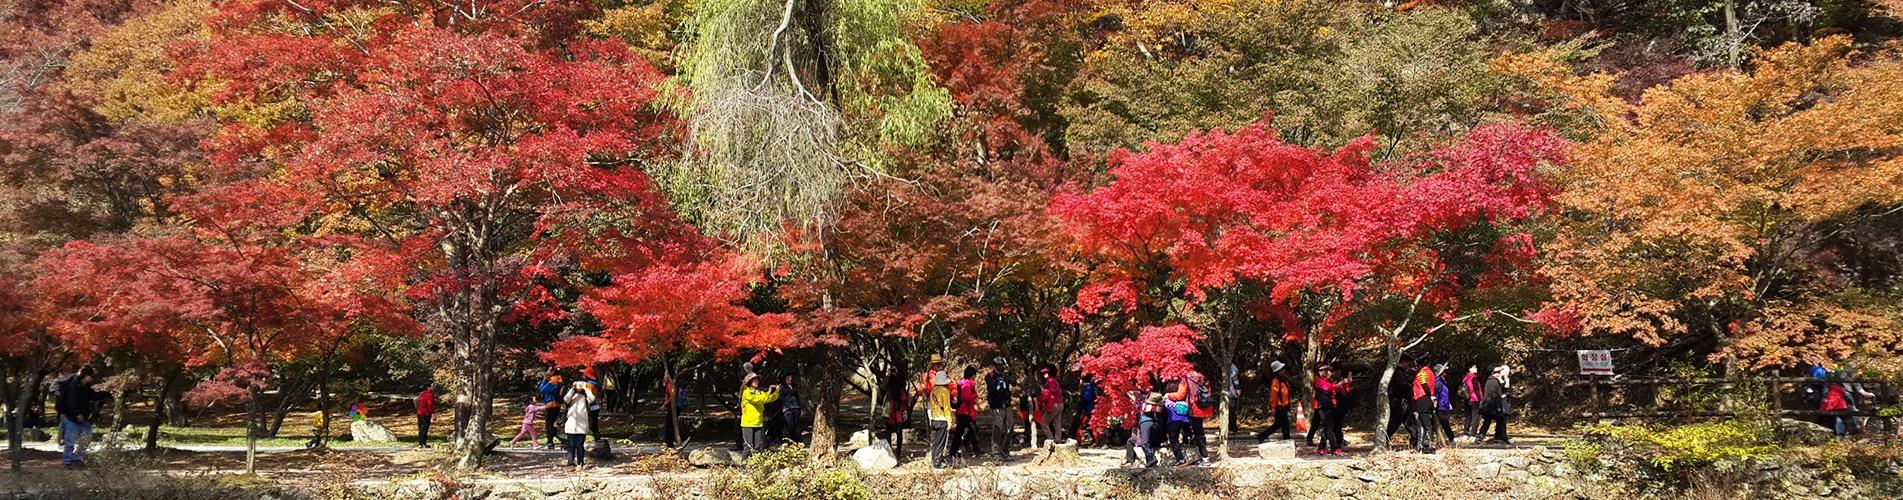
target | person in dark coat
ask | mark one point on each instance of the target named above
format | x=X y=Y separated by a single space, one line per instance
x=1495 y=406
x=77 y=405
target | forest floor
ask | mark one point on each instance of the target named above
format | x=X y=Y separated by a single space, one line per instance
x=214 y=447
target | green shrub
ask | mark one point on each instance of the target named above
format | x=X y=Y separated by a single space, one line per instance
x=1715 y=443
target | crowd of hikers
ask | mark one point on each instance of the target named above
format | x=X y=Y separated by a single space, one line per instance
x=1425 y=401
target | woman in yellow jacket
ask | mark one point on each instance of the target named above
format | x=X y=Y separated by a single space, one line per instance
x=753 y=401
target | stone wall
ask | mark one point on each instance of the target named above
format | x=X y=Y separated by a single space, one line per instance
x=1538 y=473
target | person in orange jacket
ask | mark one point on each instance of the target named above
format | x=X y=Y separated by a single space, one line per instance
x=1278 y=402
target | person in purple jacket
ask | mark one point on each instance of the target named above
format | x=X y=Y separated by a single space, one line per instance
x=1443 y=404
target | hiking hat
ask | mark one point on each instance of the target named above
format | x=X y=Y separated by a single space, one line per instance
x=1275 y=366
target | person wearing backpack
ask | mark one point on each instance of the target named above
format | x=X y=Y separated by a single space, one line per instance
x=1176 y=427
x=77 y=405
x=1835 y=405
x=1086 y=405
x=1202 y=406
x=1149 y=409
x=1050 y=406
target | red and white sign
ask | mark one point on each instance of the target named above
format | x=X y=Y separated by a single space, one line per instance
x=1595 y=362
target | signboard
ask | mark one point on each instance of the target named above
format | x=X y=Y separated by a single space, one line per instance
x=1595 y=362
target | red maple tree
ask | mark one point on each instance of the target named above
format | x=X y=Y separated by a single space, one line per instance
x=1332 y=232
x=469 y=154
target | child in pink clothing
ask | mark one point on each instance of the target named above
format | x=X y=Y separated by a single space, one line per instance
x=528 y=422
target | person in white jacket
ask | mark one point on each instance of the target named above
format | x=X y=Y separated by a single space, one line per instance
x=575 y=425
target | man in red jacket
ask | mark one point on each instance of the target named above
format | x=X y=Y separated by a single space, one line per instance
x=425 y=408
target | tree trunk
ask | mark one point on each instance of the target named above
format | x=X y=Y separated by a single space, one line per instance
x=474 y=359
x=254 y=418
x=119 y=409
x=672 y=437
x=16 y=419
x=1226 y=406
x=175 y=409
x=1381 y=406
x=1732 y=38
x=159 y=415
x=1311 y=359
x=826 y=417
x=323 y=402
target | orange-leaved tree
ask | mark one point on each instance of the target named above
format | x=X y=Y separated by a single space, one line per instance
x=1705 y=216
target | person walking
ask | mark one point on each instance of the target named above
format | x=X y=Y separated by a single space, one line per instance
x=1050 y=403
x=1496 y=405
x=1176 y=428
x=1195 y=391
x=1400 y=409
x=753 y=401
x=1149 y=409
x=1443 y=404
x=898 y=410
x=965 y=434
x=790 y=408
x=936 y=389
x=594 y=405
x=1836 y=406
x=551 y=392
x=77 y=405
x=1470 y=390
x=1330 y=392
x=998 y=386
x=1278 y=404
x=576 y=426
x=1086 y=405
x=425 y=411
x=529 y=412
x=1422 y=403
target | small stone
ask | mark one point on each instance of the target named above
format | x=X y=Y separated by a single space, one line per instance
x=1487 y=459
x=1562 y=470
x=1277 y=449
x=1487 y=470
x=1358 y=465
x=1334 y=471
x=1518 y=476
x=1515 y=462
x=1769 y=466
x=1369 y=477
x=1536 y=469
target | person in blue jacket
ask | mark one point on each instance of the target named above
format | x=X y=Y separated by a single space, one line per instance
x=1443 y=404
x=551 y=393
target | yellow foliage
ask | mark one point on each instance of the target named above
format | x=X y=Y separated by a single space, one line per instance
x=1689 y=208
x=126 y=68
x=646 y=28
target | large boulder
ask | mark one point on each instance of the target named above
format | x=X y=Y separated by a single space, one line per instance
x=1276 y=449
x=709 y=457
x=1794 y=431
x=875 y=457
x=369 y=431
x=601 y=451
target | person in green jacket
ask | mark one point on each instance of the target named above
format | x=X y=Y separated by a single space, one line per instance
x=753 y=402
